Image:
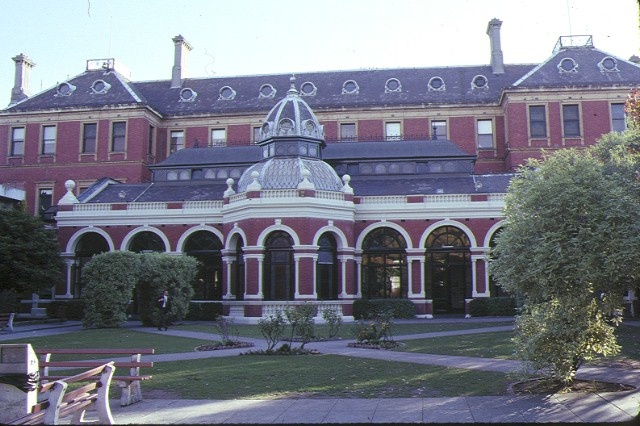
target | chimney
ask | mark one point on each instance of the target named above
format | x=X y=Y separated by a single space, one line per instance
x=179 y=70
x=493 y=31
x=20 y=89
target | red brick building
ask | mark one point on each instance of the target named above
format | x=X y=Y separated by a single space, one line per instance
x=325 y=187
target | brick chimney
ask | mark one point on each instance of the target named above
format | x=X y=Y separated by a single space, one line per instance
x=179 y=71
x=493 y=31
x=20 y=89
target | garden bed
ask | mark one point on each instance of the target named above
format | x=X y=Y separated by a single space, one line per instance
x=220 y=346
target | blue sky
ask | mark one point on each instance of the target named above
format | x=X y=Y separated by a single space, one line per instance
x=248 y=37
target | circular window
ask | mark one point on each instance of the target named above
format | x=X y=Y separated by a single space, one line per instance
x=567 y=65
x=436 y=83
x=480 y=81
x=393 y=85
x=100 y=86
x=308 y=89
x=267 y=91
x=350 y=87
x=286 y=126
x=187 y=95
x=608 y=64
x=65 y=89
x=227 y=93
x=309 y=126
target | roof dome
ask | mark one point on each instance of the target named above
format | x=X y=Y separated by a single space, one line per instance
x=291 y=117
x=288 y=173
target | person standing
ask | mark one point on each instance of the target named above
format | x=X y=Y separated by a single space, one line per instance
x=164 y=306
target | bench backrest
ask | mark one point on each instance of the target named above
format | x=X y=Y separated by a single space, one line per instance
x=134 y=363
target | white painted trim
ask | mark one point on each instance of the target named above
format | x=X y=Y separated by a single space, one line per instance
x=447 y=222
x=133 y=232
x=183 y=238
x=73 y=241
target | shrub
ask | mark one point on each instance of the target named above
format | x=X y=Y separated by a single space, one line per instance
x=227 y=331
x=72 y=309
x=301 y=319
x=272 y=328
x=9 y=300
x=204 y=311
x=110 y=279
x=334 y=320
x=492 y=307
x=399 y=308
x=376 y=331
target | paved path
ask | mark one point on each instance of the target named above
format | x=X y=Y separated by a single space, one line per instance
x=586 y=408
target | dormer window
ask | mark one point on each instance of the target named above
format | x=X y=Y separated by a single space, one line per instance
x=227 y=93
x=285 y=127
x=479 y=82
x=608 y=64
x=65 y=89
x=100 y=87
x=267 y=91
x=188 y=95
x=392 y=85
x=436 y=83
x=350 y=87
x=567 y=65
x=308 y=89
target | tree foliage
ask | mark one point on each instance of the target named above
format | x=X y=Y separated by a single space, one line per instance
x=29 y=259
x=570 y=250
x=111 y=278
x=159 y=272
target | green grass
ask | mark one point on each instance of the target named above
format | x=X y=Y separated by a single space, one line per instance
x=484 y=345
x=255 y=376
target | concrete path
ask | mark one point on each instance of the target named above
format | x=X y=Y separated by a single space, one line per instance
x=582 y=408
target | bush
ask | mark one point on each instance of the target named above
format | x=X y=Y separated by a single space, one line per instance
x=111 y=278
x=399 y=308
x=493 y=307
x=72 y=309
x=9 y=300
x=204 y=311
x=376 y=331
x=301 y=319
x=333 y=320
x=272 y=328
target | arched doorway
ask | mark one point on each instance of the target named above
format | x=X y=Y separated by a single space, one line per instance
x=278 y=281
x=384 y=264
x=327 y=268
x=147 y=241
x=448 y=269
x=206 y=247
x=238 y=275
x=87 y=246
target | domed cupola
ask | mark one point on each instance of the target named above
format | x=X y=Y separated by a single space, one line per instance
x=291 y=139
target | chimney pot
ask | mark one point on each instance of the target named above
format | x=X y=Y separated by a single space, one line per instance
x=493 y=31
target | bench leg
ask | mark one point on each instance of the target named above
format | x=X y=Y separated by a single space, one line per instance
x=131 y=392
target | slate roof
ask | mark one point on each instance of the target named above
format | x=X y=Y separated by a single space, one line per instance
x=161 y=192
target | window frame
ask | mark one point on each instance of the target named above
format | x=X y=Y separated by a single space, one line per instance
x=395 y=134
x=40 y=198
x=615 y=119
x=175 y=147
x=151 y=141
x=17 y=142
x=48 y=141
x=119 y=137
x=483 y=136
x=573 y=123
x=536 y=120
x=83 y=148
x=348 y=138
x=441 y=124
x=217 y=141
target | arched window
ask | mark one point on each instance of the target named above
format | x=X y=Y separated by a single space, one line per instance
x=206 y=248
x=88 y=246
x=278 y=277
x=384 y=264
x=448 y=269
x=146 y=241
x=327 y=268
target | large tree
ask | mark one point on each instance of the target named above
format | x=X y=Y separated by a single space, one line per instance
x=29 y=259
x=570 y=250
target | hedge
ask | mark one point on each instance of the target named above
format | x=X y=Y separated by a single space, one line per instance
x=492 y=307
x=401 y=308
x=72 y=309
x=204 y=311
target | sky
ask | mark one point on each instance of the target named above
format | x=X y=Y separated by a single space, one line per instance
x=253 y=37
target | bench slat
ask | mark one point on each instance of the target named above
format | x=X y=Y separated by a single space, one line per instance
x=84 y=351
x=89 y=364
x=115 y=378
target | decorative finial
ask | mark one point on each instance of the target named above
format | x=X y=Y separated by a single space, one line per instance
x=69 y=198
x=255 y=185
x=347 y=189
x=306 y=184
x=229 y=192
x=292 y=89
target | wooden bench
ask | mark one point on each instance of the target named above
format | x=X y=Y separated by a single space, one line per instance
x=58 y=401
x=130 y=384
x=6 y=320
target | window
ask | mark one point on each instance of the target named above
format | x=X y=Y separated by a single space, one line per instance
x=44 y=200
x=17 y=141
x=48 y=140
x=256 y=134
x=89 y=132
x=618 y=118
x=392 y=131
x=485 y=134
x=176 y=142
x=438 y=129
x=347 y=132
x=151 y=141
x=119 y=131
x=218 y=137
x=537 y=121
x=571 y=120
